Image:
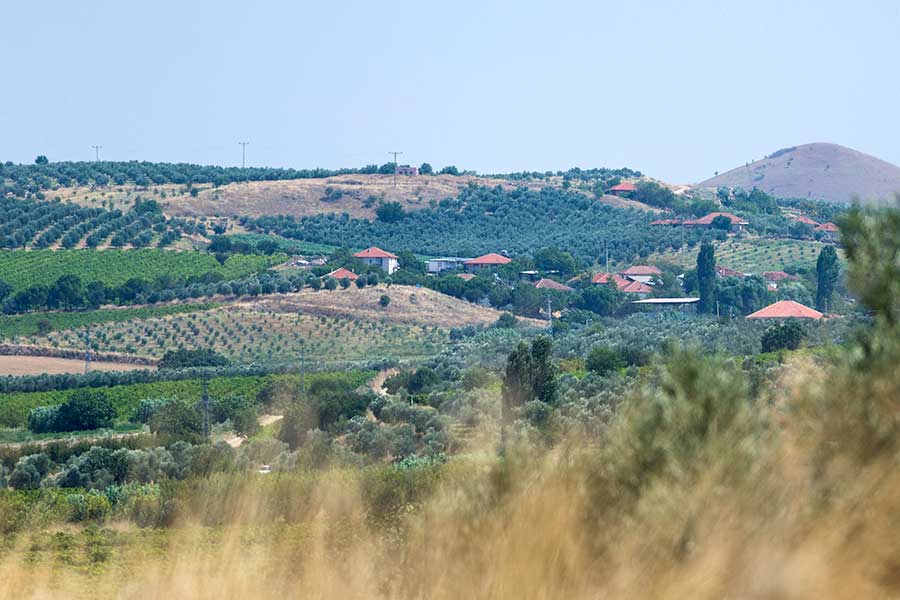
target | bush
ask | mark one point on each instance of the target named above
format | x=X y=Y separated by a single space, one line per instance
x=384 y=300
x=182 y=359
x=787 y=336
x=603 y=360
x=147 y=407
x=506 y=321
x=85 y=409
x=30 y=471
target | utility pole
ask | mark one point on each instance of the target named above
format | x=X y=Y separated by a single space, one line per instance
x=606 y=248
x=87 y=349
x=204 y=381
x=396 y=165
x=549 y=312
x=243 y=154
x=96 y=153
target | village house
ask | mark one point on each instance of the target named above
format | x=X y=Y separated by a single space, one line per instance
x=549 y=284
x=642 y=273
x=407 y=170
x=626 y=187
x=341 y=273
x=626 y=286
x=737 y=223
x=723 y=272
x=774 y=277
x=786 y=309
x=379 y=258
x=830 y=231
x=436 y=265
x=488 y=261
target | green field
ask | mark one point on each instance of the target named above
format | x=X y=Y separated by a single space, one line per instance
x=284 y=244
x=14 y=407
x=24 y=268
x=27 y=324
x=753 y=255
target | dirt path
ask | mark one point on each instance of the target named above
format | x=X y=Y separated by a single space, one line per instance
x=377 y=383
x=235 y=440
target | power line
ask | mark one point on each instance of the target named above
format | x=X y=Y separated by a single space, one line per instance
x=243 y=154
x=96 y=153
x=396 y=165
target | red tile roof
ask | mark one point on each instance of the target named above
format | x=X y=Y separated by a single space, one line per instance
x=549 y=284
x=604 y=278
x=666 y=222
x=708 y=219
x=726 y=272
x=374 y=252
x=342 y=273
x=805 y=219
x=466 y=276
x=829 y=227
x=640 y=270
x=636 y=287
x=625 y=186
x=489 y=259
x=786 y=309
x=776 y=275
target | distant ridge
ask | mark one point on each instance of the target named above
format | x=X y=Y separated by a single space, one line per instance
x=828 y=172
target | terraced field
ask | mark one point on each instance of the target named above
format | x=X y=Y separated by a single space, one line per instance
x=753 y=256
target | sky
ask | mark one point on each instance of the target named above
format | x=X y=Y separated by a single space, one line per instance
x=676 y=89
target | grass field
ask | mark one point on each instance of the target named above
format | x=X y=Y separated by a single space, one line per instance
x=27 y=324
x=24 y=268
x=17 y=366
x=14 y=407
x=753 y=255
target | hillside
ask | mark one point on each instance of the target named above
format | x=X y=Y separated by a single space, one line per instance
x=817 y=171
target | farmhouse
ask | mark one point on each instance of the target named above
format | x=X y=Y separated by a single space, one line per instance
x=830 y=231
x=786 y=309
x=549 y=284
x=666 y=222
x=723 y=272
x=625 y=187
x=805 y=220
x=488 y=261
x=407 y=170
x=436 y=265
x=341 y=273
x=379 y=258
x=626 y=286
x=737 y=223
x=642 y=273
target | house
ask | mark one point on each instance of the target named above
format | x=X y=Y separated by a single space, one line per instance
x=723 y=272
x=625 y=187
x=671 y=222
x=379 y=258
x=626 y=286
x=642 y=273
x=737 y=223
x=436 y=265
x=830 y=231
x=805 y=220
x=341 y=273
x=639 y=288
x=549 y=284
x=466 y=276
x=786 y=309
x=407 y=170
x=773 y=277
x=604 y=278
x=487 y=261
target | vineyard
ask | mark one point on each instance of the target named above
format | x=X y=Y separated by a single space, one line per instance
x=247 y=336
x=35 y=224
x=753 y=255
x=24 y=268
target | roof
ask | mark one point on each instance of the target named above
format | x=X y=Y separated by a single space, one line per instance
x=603 y=278
x=786 y=309
x=641 y=270
x=342 y=273
x=636 y=287
x=805 y=219
x=726 y=272
x=466 y=276
x=829 y=227
x=667 y=301
x=549 y=284
x=489 y=259
x=374 y=252
x=625 y=186
x=666 y=222
x=708 y=219
x=776 y=275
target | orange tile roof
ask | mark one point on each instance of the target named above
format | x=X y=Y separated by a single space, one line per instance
x=466 y=276
x=805 y=219
x=636 y=287
x=776 y=275
x=549 y=284
x=604 y=278
x=829 y=227
x=786 y=309
x=641 y=270
x=625 y=186
x=342 y=273
x=374 y=252
x=708 y=219
x=489 y=259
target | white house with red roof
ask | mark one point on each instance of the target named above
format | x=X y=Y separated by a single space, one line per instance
x=341 y=273
x=626 y=286
x=488 y=261
x=379 y=258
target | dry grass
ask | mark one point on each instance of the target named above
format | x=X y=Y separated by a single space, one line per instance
x=37 y=365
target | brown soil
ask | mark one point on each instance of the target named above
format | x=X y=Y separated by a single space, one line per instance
x=37 y=365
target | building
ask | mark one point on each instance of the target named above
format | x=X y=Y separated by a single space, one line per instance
x=642 y=273
x=774 y=277
x=830 y=231
x=660 y=303
x=341 y=273
x=737 y=223
x=805 y=220
x=626 y=286
x=379 y=258
x=671 y=222
x=488 y=261
x=466 y=276
x=626 y=187
x=786 y=309
x=604 y=278
x=549 y=284
x=723 y=272
x=436 y=265
x=407 y=170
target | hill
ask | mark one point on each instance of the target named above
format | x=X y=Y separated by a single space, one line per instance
x=816 y=171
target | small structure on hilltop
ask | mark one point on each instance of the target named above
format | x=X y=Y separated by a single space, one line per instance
x=549 y=284
x=642 y=273
x=487 y=261
x=407 y=170
x=737 y=223
x=436 y=265
x=626 y=187
x=786 y=309
x=341 y=273
x=379 y=258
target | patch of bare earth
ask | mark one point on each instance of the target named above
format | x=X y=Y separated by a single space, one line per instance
x=408 y=304
x=38 y=365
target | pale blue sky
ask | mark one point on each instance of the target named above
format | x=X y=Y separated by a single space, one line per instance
x=675 y=89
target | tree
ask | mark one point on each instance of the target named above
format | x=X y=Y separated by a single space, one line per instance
x=67 y=292
x=177 y=420
x=5 y=290
x=331 y=284
x=530 y=375
x=345 y=282
x=182 y=359
x=706 y=278
x=554 y=259
x=603 y=360
x=721 y=222
x=85 y=409
x=601 y=299
x=506 y=320
x=384 y=300
x=827 y=271
x=390 y=212
x=95 y=294
x=41 y=160
x=29 y=471
x=787 y=336
x=426 y=169
x=449 y=170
